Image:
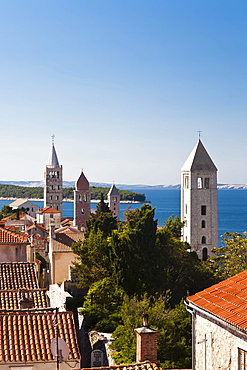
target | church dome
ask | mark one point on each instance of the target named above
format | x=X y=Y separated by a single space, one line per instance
x=82 y=183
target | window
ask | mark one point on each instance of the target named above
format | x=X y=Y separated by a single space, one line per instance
x=242 y=359
x=203 y=210
x=186 y=208
x=199 y=183
x=186 y=181
x=57 y=197
x=85 y=197
x=82 y=211
x=204 y=254
x=206 y=182
x=204 y=240
x=203 y=224
x=51 y=197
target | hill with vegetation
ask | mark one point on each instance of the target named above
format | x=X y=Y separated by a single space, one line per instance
x=13 y=191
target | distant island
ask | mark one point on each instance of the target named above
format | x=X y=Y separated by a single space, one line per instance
x=17 y=191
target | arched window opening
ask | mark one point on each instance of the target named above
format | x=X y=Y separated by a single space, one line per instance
x=204 y=240
x=203 y=224
x=205 y=254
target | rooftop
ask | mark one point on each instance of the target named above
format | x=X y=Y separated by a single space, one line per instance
x=27 y=336
x=10 y=299
x=226 y=300
x=16 y=275
x=10 y=237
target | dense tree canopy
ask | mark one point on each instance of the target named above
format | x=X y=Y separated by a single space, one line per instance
x=145 y=265
x=231 y=257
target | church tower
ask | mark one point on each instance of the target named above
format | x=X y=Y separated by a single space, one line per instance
x=81 y=202
x=114 y=202
x=199 y=207
x=53 y=182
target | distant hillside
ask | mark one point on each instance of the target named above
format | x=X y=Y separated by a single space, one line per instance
x=71 y=184
x=14 y=191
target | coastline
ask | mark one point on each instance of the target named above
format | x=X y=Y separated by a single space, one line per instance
x=71 y=200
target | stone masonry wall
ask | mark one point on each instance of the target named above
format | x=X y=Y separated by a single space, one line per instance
x=216 y=348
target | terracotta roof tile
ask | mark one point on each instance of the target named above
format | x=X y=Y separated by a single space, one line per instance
x=8 y=236
x=227 y=300
x=146 y=365
x=16 y=275
x=10 y=299
x=47 y=210
x=26 y=337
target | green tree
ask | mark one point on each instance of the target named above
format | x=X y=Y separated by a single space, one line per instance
x=102 y=305
x=93 y=252
x=231 y=258
x=133 y=251
x=173 y=226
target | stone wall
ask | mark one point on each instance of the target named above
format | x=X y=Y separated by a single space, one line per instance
x=216 y=344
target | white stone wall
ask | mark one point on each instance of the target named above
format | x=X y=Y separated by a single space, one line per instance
x=216 y=348
x=192 y=198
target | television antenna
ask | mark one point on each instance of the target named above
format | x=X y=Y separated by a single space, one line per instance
x=59 y=347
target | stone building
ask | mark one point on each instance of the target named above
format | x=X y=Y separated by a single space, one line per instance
x=82 y=200
x=114 y=202
x=219 y=325
x=53 y=182
x=199 y=207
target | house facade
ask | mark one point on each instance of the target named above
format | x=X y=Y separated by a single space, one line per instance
x=219 y=325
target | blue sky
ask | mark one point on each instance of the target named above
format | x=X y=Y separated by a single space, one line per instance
x=124 y=85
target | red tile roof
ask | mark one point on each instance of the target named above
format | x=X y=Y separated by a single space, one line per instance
x=27 y=336
x=9 y=237
x=47 y=210
x=226 y=300
x=10 y=299
x=146 y=365
x=16 y=275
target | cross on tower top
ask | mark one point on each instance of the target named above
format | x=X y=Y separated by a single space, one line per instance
x=199 y=133
x=52 y=139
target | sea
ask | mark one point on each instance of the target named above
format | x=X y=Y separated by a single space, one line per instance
x=232 y=207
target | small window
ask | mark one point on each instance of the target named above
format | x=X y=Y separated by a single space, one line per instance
x=206 y=182
x=186 y=181
x=186 y=208
x=203 y=210
x=205 y=254
x=242 y=359
x=204 y=240
x=58 y=187
x=51 y=197
x=57 y=197
x=199 y=183
x=85 y=197
x=82 y=211
x=203 y=224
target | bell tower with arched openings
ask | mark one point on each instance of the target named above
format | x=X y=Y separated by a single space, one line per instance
x=199 y=203
x=82 y=200
x=53 y=182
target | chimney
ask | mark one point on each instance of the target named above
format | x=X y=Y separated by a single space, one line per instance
x=147 y=340
x=25 y=302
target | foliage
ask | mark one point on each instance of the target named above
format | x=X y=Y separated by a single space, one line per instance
x=133 y=248
x=231 y=258
x=101 y=220
x=102 y=304
x=94 y=261
x=174 y=326
x=8 y=211
x=175 y=349
x=173 y=226
x=14 y=191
